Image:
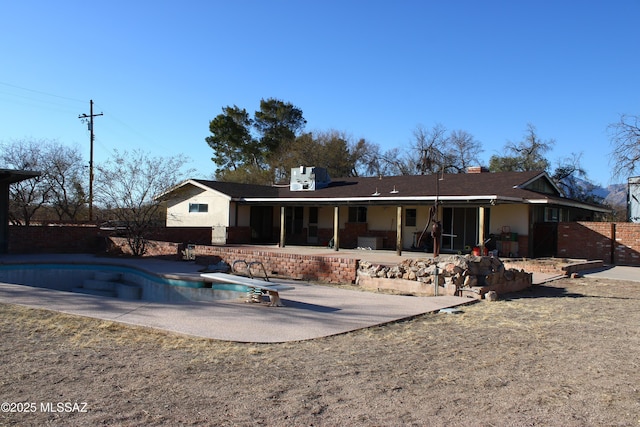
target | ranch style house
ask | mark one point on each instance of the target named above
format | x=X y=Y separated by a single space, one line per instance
x=515 y=213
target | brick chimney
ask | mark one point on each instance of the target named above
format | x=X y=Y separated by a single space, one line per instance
x=477 y=169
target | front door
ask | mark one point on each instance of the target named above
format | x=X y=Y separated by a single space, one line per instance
x=545 y=239
x=294 y=220
x=459 y=229
x=262 y=224
x=312 y=233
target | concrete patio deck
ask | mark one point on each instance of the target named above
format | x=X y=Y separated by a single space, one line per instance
x=311 y=310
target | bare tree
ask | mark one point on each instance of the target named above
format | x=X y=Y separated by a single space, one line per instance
x=433 y=151
x=625 y=139
x=370 y=160
x=572 y=179
x=67 y=175
x=28 y=196
x=59 y=186
x=526 y=155
x=128 y=184
x=463 y=151
x=427 y=150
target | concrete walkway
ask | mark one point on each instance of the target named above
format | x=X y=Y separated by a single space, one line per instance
x=617 y=272
x=311 y=311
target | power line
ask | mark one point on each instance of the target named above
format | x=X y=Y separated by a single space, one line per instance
x=40 y=92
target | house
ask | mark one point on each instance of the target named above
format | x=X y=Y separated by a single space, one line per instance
x=519 y=210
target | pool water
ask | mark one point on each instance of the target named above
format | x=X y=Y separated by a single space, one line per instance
x=153 y=287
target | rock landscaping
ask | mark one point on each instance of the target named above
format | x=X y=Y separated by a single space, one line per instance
x=461 y=275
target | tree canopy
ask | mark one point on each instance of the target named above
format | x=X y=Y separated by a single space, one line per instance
x=529 y=155
x=244 y=148
x=263 y=148
x=525 y=155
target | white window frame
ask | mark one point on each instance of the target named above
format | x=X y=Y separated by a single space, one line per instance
x=198 y=208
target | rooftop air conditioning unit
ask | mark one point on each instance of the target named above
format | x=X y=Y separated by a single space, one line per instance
x=307 y=178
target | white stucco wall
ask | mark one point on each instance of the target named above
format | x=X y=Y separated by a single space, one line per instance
x=325 y=217
x=411 y=233
x=244 y=216
x=178 y=214
x=382 y=218
x=516 y=217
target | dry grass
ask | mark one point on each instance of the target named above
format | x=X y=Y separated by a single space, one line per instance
x=563 y=354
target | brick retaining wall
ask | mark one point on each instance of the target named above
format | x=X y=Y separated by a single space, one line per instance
x=327 y=269
x=613 y=243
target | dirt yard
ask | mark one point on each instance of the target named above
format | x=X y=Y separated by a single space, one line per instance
x=563 y=354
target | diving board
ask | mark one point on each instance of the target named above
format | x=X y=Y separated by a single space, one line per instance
x=255 y=286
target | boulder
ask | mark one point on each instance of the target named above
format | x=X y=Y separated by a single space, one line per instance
x=457 y=271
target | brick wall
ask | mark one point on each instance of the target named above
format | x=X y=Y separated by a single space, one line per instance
x=585 y=240
x=349 y=234
x=627 y=243
x=327 y=269
x=55 y=239
x=89 y=238
x=611 y=242
x=523 y=246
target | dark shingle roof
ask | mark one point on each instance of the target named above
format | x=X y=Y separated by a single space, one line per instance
x=237 y=190
x=452 y=185
x=482 y=187
x=498 y=187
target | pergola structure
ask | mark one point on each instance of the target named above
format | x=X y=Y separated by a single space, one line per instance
x=8 y=177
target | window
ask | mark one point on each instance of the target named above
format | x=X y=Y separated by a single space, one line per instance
x=313 y=215
x=293 y=219
x=358 y=214
x=411 y=218
x=198 y=207
x=552 y=215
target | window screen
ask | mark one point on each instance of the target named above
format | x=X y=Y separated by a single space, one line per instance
x=198 y=207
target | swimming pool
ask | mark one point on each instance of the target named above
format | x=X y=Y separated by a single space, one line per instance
x=147 y=286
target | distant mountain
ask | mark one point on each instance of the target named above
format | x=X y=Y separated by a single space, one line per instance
x=613 y=195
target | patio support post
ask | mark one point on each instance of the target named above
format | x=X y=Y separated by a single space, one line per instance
x=336 y=228
x=399 y=231
x=481 y=235
x=282 y=225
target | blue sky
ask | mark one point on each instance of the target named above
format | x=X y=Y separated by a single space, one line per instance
x=161 y=70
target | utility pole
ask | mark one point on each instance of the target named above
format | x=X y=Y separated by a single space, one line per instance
x=84 y=118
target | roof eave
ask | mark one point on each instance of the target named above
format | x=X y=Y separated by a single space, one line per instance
x=569 y=203
x=193 y=182
x=489 y=199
